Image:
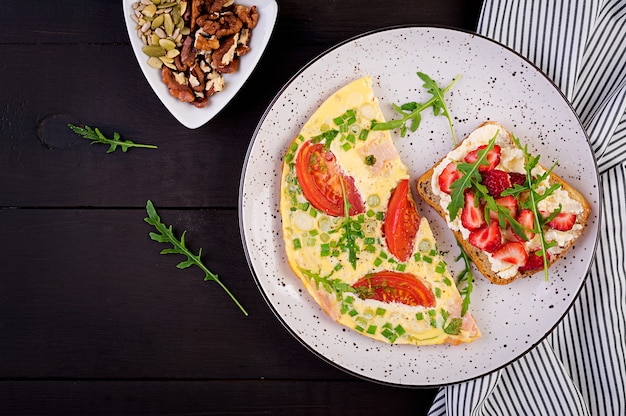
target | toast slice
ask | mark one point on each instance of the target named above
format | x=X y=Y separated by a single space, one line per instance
x=493 y=240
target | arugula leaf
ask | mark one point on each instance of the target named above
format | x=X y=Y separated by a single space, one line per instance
x=166 y=235
x=410 y=111
x=470 y=176
x=454 y=326
x=96 y=136
x=327 y=137
x=336 y=286
x=466 y=276
x=439 y=106
x=348 y=239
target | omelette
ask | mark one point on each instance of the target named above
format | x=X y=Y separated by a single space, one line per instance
x=352 y=232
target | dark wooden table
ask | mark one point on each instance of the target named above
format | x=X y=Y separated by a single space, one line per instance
x=93 y=320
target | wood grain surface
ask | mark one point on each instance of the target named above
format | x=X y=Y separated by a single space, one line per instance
x=93 y=320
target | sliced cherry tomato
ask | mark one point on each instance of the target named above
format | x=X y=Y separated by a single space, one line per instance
x=401 y=222
x=390 y=286
x=320 y=178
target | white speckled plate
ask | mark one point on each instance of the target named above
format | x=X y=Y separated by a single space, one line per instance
x=187 y=114
x=496 y=84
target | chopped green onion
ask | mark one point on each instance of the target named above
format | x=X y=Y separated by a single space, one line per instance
x=390 y=335
x=373 y=200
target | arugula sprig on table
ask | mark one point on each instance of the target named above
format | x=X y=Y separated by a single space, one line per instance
x=166 y=235
x=410 y=111
x=96 y=136
x=534 y=197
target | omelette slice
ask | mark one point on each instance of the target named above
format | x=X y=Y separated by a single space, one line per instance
x=352 y=232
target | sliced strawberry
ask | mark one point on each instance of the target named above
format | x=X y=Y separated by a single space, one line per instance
x=448 y=176
x=512 y=252
x=564 y=221
x=509 y=235
x=517 y=178
x=472 y=216
x=492 y=158
x=487 y=238
x=534 y=262
x=508 y=202
x=527 y=219
x=496 y=181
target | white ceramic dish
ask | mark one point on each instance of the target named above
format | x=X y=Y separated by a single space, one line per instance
x=188 y=115
x=496 y=84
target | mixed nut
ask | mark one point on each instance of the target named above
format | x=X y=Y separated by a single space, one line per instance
x=194 y=43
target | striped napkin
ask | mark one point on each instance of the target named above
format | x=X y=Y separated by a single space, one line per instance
x=580 y=368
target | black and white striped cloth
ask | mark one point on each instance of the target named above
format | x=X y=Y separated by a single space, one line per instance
x=580 y=369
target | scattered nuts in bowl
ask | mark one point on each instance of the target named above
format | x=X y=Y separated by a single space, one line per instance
x=194 y=43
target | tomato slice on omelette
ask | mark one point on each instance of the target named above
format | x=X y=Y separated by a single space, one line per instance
x=352 y=232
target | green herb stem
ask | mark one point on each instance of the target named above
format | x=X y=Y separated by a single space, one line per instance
x=166 y=235
x=465 y=276
x=411 y=111
x=96 y=136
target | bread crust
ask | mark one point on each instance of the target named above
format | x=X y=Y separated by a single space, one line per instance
x=478 y=256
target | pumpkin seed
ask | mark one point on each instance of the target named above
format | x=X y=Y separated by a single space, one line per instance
x=149 y=10
x=155 y=62
x=168 y=24
x=176 y=14
x=167 y=44
x=172 y=53
x=158 y=21
x=153 y=50
x=183 y=7
x=170 y=65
